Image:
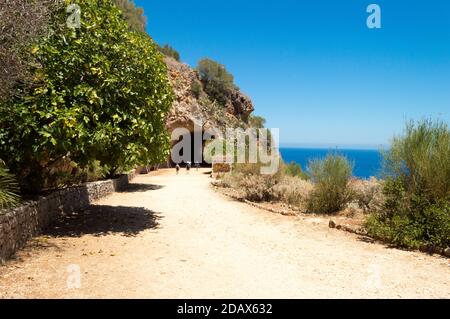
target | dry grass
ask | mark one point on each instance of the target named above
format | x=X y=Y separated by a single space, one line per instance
x=245 y=182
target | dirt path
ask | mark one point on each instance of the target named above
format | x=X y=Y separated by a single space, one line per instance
x=174 y=237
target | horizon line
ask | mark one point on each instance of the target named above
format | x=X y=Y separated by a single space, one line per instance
x=335 y=146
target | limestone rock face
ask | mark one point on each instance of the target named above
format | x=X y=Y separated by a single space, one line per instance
x=185 y=108
x=191 y=107
x=240 y=105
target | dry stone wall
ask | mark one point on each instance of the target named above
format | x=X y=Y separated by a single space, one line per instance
x=20 y=224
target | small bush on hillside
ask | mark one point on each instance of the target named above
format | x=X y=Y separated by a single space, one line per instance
x=294 y=169
x=331 y=184
x=218 y=83
x=420 y=159
x=247 y=180
x=256 y=121
x=196 y=89
x=293 y=191
x=368 y=194
x=134 y=16
x=410 y=221
x=417 y=189
x=167 y=50
x=258 y=188
x=247 y=168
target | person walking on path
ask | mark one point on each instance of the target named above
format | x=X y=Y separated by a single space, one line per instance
x=188 y=167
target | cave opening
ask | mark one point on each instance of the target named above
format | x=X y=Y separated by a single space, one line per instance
x=191 y=152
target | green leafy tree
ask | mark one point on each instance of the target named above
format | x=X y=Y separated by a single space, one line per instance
x=101 y=93
x=218 y=82
x=133 y=15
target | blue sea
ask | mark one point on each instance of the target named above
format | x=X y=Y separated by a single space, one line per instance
x=367 y=163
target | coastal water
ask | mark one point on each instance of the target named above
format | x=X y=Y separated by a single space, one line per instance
x=367 y=163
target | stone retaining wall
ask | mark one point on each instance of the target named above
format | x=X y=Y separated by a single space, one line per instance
x=20 y=224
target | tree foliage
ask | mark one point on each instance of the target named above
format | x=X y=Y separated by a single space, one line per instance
x=21 y=23
x=218 y=82
x=133 y=15
x=101 y=93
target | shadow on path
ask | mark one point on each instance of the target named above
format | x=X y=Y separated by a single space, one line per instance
x=135 y=187
x=100 y=220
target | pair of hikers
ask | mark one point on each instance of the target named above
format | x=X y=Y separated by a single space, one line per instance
x=188 y=167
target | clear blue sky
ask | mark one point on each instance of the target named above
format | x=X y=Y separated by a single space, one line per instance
x=313 y=68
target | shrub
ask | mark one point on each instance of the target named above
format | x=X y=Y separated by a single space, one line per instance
x=167 y=50
x=331 y=190
x=257 y=188
x=411 y=227
x=368 y=194
x=218 y=83
x=247 y=168
x=420 y=159
x=95 y=172
x=416 y=209
x=256 y=121
x=101 y=93
x=196 y=88
x=294 y=169
x=8 y=188
x=293 y=190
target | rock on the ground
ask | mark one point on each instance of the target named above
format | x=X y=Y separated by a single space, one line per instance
x=447 y=252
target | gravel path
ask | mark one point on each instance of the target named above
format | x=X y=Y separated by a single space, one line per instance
x=173 y=236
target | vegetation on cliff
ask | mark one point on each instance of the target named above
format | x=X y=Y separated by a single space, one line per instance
x=167 y=50
x=134 y=16
x=218 y=82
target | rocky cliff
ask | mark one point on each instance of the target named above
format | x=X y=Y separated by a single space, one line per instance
x=192 y=104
